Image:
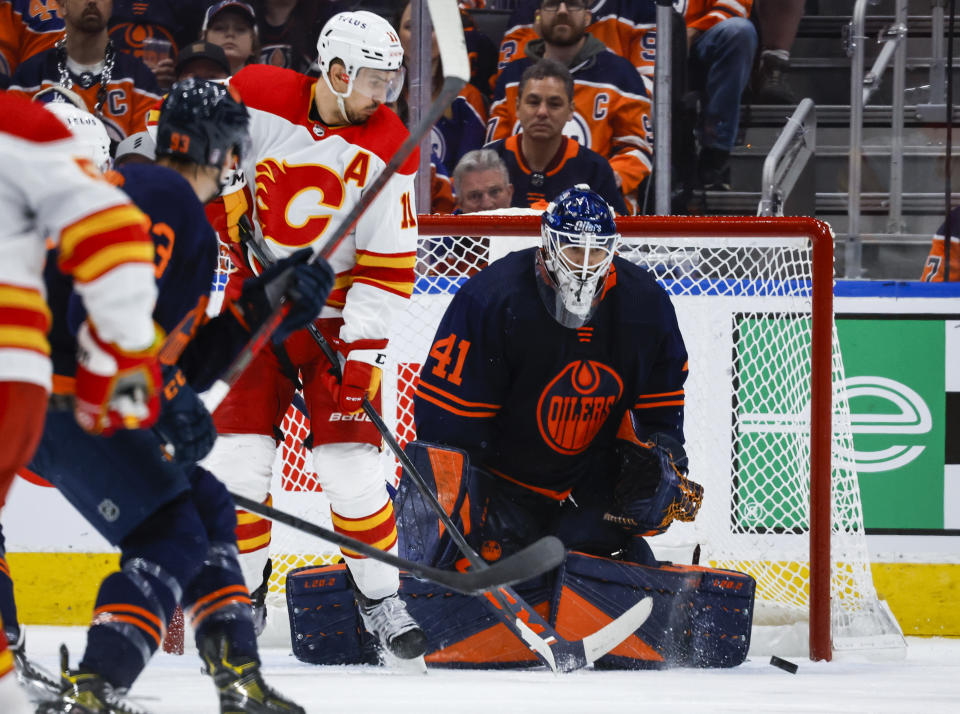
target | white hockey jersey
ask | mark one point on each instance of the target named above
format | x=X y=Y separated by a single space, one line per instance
x=301 y=180
x=48 y=192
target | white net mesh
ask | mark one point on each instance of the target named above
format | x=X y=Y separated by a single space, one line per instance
x=744 y=307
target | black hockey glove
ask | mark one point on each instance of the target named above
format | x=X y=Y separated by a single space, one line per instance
x=306 y=287
x=652 y=487
x=184 y=423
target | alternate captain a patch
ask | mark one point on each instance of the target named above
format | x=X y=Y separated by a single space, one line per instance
x=575 y=404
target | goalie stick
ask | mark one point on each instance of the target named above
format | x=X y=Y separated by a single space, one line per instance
x=539 y=557
x=551 y=648
x=445 y=15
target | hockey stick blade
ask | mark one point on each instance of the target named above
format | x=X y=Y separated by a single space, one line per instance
x=539 y=557
x=615 y=632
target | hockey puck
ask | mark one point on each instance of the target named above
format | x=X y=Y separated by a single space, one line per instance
x=783 y=664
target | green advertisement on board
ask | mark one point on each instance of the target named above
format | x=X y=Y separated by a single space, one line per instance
x=895 y=381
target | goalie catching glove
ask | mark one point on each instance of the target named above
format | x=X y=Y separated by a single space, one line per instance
x=115 y=389
x=360 y=363
x=184 y=423
x=304 y=285
x=652 y=488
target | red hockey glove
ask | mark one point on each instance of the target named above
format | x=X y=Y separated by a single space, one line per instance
x=361 y=362
x=115 y=389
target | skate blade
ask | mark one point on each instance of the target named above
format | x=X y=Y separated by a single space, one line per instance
x=417 y=665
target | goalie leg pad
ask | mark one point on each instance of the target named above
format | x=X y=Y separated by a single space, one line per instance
x=701 y=616
x=325 y=625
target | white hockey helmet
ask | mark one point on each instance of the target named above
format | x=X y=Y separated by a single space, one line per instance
x=361 y=39
x=88 y=130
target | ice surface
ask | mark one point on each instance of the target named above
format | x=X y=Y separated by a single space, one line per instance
x=927 y=681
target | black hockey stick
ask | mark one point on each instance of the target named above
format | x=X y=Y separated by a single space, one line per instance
x=538 y=557
x=456 y=70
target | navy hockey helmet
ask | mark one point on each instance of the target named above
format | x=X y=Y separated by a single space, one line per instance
x=202 y=121
x=579 y=238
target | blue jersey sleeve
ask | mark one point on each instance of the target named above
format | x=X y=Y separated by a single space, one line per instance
x=658 y=407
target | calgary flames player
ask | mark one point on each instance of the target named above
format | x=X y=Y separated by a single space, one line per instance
x=47 y=189
x=316 y=145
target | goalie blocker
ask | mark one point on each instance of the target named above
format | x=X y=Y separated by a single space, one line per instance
x=701 y=616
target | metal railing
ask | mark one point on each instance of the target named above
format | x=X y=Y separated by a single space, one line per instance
x=794 y=147
x=862 y=88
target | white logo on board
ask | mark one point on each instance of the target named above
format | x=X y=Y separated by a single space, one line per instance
x=908 y=414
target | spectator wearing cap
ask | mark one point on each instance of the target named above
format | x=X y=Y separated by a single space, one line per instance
x=233 y=26
x=203 y=60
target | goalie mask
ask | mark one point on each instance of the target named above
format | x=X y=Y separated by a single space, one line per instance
x=202 y=121
x=87 y=129
x=370 y=51
x=579 y=238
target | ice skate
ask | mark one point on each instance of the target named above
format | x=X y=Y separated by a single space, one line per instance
x=397 y=632
x=85 y=693
x=39 y=684
x=240 y=683
x=258 y=600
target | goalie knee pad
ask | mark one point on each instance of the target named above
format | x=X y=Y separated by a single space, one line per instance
x=447 y=473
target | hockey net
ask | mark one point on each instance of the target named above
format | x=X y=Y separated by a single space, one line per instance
x=767 y=418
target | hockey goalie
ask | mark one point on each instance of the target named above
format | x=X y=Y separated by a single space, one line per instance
x=551 y=402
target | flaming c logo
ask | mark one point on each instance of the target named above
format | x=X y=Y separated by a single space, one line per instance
x=295 y=202
x=576 y=403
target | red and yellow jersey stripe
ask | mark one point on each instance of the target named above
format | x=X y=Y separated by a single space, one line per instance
x=98 y=243
x=24 y=319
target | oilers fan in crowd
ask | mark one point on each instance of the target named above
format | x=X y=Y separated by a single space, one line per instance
x=50 y=191
x=317 y=144
x=172 y=520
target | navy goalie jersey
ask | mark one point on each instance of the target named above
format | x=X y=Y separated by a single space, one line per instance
x=535 y=402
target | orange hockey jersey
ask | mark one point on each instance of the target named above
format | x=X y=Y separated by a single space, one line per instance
x=611 y=109
x=131 y=92
x=626 y=27
x=27 y=27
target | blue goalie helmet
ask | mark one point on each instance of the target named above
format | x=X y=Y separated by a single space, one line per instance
x=201 y=121
x=579 y=238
